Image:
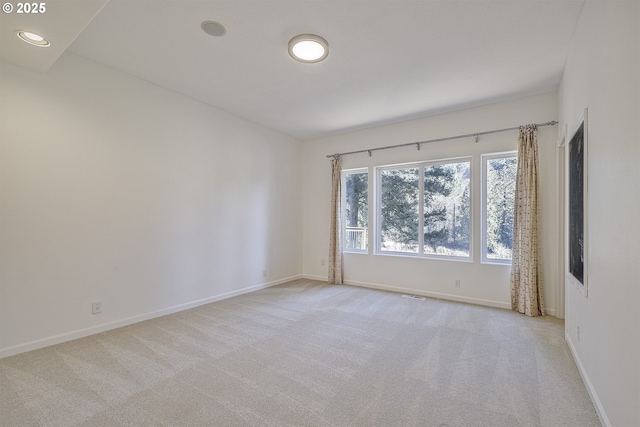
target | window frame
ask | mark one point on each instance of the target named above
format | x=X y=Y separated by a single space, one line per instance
x=377 y=222
x=484 y=159
x=343 y=203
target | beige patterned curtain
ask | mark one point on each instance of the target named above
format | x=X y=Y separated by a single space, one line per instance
x=335 y=239
x=526 y=275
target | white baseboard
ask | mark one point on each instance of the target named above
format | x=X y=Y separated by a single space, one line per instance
x=587 y=382
x=312 y=277
x=81 y=333
x=448 y=297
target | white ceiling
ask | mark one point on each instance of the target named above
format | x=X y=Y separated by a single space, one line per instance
x=61 y=23
x=389 y=60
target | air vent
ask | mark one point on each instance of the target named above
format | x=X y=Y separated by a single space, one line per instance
x=213 y=28
x=414 y=297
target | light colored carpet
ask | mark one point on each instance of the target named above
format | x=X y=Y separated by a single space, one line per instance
x=306 y=354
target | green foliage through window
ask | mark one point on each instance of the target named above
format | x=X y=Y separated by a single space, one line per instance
x=399 y=207
x=447 y=211
x=356 y=210
x=500 y=183
x=441 y=210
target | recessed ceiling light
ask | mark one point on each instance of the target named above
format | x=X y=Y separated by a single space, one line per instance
x=308 y=48
x=33 y=38
x=213 y=28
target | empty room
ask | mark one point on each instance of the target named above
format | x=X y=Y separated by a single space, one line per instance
x=320 y=213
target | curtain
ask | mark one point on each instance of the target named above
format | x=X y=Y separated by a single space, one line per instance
x=335 y=238
x=526 y=275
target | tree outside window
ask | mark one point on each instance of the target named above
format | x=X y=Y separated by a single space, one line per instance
x=447 y=211
x=425 y=209
x=356 y=214
x=399 y=210
x=499 y=182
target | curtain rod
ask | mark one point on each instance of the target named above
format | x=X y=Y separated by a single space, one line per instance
x=449 y=138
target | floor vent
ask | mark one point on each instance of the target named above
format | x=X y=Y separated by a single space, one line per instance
x=413 y=297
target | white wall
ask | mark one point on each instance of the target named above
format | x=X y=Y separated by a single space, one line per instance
x=602 y=73
x=480 y=283
x=116 y=190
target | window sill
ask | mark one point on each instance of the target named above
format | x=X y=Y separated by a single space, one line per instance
x=429 y=257
x=495 y=262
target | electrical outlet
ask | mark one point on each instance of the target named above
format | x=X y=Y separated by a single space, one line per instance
x=322 y=262
x=96 y=307
x=578 y=332
x=264 y=273
x=457 y=283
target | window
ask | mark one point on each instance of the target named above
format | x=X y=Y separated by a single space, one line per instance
x=399 y=210
x=425 y=209
x=498 y=191
x=356 y=212
x=447 y=209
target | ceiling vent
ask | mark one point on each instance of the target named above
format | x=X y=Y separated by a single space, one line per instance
x=213 y=28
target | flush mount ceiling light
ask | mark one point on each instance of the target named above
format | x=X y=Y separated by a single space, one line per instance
x=213 y=28
x=33 y=38
x=308 y=48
